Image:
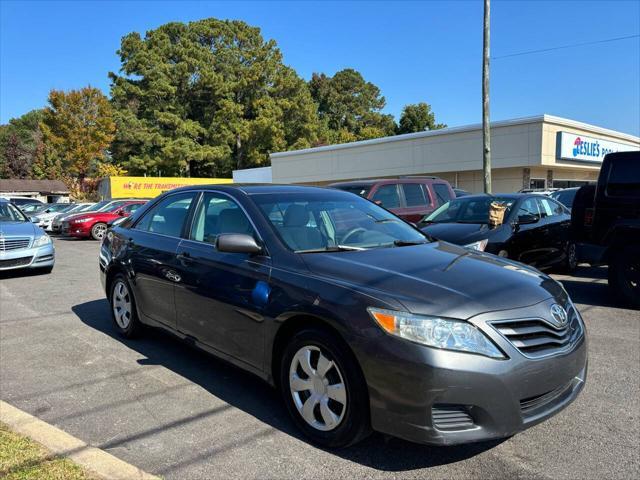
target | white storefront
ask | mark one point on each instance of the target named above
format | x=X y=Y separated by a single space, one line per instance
x=542 y=151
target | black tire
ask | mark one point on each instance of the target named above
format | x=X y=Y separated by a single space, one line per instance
x=355 y=423
x=570 y=263
x=624 y=275
x=98 y=231
x=132 y=327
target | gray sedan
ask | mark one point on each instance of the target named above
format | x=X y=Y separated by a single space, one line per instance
x=23 y=244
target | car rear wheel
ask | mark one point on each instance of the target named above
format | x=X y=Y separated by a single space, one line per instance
x=624 y=274
x=123 y=307
x=570 y=262
x=98 y=231
x=324 y=390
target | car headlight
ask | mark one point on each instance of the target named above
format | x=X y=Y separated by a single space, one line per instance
x=437 y=332
x=82 y=220
x=480 y=245
x=42 y=240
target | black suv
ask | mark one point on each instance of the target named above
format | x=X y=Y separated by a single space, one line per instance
x=606 y=223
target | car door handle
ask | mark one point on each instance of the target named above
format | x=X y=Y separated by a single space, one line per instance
x=184 y=256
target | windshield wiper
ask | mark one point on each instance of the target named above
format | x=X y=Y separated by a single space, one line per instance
x=331 y=248
x=407 y=243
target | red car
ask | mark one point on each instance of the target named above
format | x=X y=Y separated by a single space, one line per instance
x=94 y=224
x=410 y=198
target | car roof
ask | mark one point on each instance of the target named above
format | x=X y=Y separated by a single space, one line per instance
x=254 y=188
x=514 y=196
x=372 y=181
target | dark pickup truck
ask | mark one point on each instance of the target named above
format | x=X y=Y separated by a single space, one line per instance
x=605 y=223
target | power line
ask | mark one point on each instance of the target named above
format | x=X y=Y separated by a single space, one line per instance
x=565 y=46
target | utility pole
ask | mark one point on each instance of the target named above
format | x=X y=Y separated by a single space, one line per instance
x=486 y=134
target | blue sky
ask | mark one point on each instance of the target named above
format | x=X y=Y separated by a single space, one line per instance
x=414 y=51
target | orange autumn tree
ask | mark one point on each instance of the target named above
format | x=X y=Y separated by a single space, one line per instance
x=78 y=128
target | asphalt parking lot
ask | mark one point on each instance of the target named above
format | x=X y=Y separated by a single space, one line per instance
x=179 y=413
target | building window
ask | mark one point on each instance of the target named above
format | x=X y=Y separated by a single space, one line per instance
x=569 y=183
x=538 y=183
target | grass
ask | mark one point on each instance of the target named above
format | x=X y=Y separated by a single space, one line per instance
x=23 y=459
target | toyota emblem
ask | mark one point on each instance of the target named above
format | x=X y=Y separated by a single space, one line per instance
x=559 y=315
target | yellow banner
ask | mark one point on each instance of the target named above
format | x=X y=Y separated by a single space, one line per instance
x=150 y=187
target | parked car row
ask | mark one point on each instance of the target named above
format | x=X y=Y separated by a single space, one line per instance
x=82 y=220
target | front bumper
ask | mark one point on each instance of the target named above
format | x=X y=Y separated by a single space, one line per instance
x=441 y=397
x=80 y=230
x=39 y=257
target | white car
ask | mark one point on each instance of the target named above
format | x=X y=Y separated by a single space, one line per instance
x=43 y=218
x=56 y=219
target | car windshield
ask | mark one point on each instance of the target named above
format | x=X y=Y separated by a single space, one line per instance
x=10 y=213
x=113 y=207
x=468 y=210
x=565 y=197
x=311 y=222
x=55 y=207
x=101 y=206
x=84 y=208
x=362 y=190
x=31 y=207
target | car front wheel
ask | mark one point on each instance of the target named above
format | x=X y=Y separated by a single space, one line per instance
x=98 y=231
x=324 y=390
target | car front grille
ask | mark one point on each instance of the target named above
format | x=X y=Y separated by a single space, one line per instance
x=530 y=405
x=8 y=244
x=451 y=417
x=536 y=338
x=15 y=262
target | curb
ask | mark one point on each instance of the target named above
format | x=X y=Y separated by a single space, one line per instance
x=95 y=460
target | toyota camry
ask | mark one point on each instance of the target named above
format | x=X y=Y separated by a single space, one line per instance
x=358 y=318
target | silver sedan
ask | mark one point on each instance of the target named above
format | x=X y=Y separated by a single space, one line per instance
x=23 y=244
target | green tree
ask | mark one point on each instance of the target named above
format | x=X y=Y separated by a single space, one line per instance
x=77 y=128
x=202 y=98
x=350 y=107
x=418 y=118
x=20 y=145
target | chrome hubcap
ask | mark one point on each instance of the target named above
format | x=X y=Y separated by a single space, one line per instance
x=121 y=304
x=317 y=388
x=100 y=230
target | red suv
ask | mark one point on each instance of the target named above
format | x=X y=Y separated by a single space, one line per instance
x=94 y=224
x=410 y=198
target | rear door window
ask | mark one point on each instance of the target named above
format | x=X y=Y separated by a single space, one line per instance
x=529 y=207
x=442 y=193
x=388 y=196
x=414 y=194
x=624 y=179
x=168 y=216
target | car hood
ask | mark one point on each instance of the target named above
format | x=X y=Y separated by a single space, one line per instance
x=438 y=278
x=105 y=216
x=18 y=229
x=460 y=233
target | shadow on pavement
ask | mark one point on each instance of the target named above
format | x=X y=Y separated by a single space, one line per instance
x=21 y=272
x=255 y=397
x=588 y=286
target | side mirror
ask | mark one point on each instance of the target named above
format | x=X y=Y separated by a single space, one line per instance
x=527 y=219
x=238 y=243
x=120 y=213
x=34 y=219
